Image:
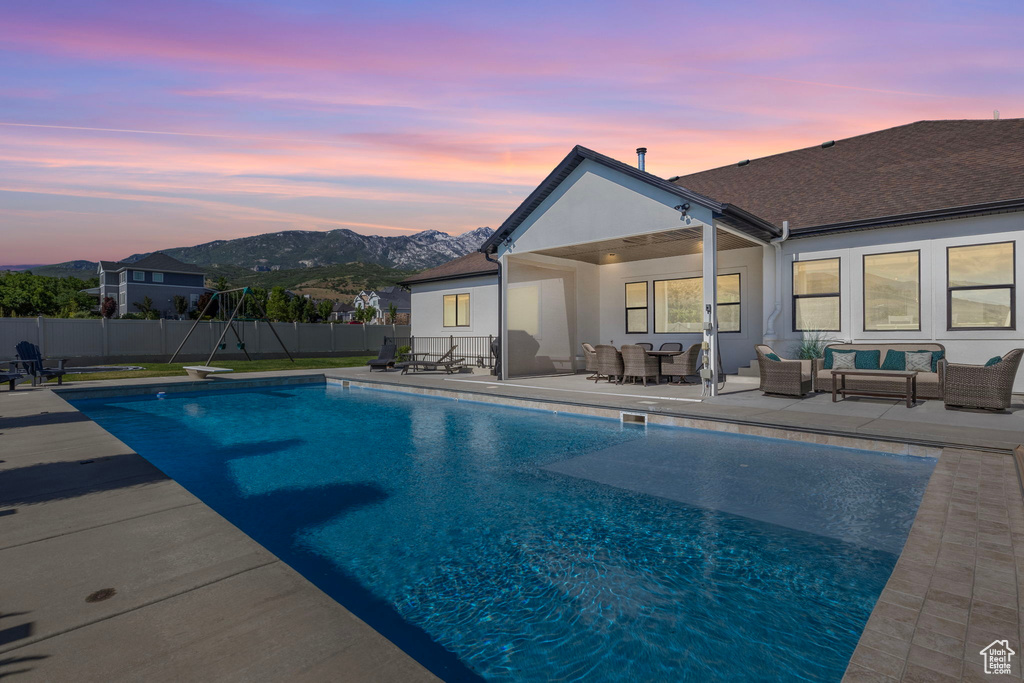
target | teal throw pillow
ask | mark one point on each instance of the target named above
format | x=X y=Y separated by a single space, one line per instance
x=771 y=356
x=993 y=360
x=894 y=360
x=867 y=360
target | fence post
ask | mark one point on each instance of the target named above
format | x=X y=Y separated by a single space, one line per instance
x=163 y=338
x=366 y=344
x=40 y=333
x=333 y=350
x=298 y=341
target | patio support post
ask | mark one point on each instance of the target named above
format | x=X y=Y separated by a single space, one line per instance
x=710 y=246
x=503 y=318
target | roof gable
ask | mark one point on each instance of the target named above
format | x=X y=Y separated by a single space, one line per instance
x=736 y=217
x=472 y=264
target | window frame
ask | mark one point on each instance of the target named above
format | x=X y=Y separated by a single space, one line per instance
x=838 y=295
x=136 y=276
x=646 y=308
x=1012 y=287
x=718 y=305
x=864 y=290
x=158 y=277
x=456 y=296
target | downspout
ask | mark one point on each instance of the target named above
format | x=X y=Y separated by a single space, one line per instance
x=769 y=333
x=497 y=361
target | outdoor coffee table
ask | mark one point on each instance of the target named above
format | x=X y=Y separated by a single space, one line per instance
x=839 y=384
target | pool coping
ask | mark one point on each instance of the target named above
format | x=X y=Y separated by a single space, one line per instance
x=955 y=584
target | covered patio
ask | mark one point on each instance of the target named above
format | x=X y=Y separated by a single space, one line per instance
x=604 y=253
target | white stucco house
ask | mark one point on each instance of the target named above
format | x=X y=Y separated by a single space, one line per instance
x=906 y=234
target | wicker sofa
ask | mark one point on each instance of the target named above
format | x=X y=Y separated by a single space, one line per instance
x=929 y=384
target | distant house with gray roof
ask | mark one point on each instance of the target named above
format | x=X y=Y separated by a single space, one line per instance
x=158 y=276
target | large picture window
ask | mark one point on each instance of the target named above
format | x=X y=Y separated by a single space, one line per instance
x=456 y=310
x=636 y=308
x=980 y=287
x=892 y=291
x=816 y=295
x=679 y=304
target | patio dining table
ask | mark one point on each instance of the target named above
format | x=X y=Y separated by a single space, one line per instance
x=663 y=354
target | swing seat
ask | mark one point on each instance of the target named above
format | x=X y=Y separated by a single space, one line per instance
x=222 y=346
x=241 y=346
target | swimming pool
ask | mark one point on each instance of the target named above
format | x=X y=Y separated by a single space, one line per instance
x=507 y=544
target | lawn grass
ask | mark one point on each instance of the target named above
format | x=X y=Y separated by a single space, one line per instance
x=177 y=369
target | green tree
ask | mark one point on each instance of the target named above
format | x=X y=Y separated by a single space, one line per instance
x=393 y=312
x=324 y=309
x=146 y=308
x=220 y=284
x=25 y=294
x=365 y=315
x=299 y=309
x=277 y=305
x=180 y=304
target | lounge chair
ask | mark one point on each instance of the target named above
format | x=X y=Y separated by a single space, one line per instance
x=446 y=362
x=31 y=359
x=786 y=377
x=609 y=363
x=982 y=386
x=636 y=363
x=645 y=345
x=11 y=375
x=683 y=365
x=384 y=359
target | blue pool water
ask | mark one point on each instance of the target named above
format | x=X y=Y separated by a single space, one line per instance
x=506 y=544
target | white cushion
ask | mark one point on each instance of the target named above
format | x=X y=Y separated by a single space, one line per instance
x=921 y=362
x=844 y=361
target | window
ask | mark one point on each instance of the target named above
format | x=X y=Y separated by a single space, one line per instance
x=892 y=291
x=816 y=295
x=124 y=277
x=636 y=308
x=456 y=310
x=158 y=277
x=679 y=304
x=138 y=276
x=980 y=287
x=124 y=298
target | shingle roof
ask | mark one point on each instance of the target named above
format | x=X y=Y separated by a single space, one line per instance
x=155 y=261
x=870 y=180
x=470 y=265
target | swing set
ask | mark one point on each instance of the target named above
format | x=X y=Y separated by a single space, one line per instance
x=244 y=307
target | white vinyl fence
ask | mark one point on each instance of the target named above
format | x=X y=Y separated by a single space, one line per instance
x=104 y=340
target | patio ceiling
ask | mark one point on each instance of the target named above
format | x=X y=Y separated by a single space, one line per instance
x=680 y=242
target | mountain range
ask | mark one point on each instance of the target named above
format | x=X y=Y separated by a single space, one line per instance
x=302 y=249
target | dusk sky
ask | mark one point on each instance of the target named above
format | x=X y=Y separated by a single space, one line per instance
x=132 y=126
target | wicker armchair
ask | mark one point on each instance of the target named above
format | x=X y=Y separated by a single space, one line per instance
x=786 y=377
x=682 y=366
x=609 y=362
x=981 y=386
x=636 y=363
x=590 y=356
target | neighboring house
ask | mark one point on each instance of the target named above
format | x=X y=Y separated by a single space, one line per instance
x=381 y=301
x=906 y=234
x=457 y=298
x=157 y=276
x=342 y=312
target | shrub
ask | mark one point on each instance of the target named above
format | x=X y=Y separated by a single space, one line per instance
x=813 y=345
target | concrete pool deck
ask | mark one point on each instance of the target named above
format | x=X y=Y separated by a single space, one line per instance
x=197 y=598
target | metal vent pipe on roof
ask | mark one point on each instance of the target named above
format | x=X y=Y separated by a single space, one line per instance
x=641 y=152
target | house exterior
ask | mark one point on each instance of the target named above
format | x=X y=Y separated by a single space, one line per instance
x=458 y=298
x=342 y=312
x=381 y=300
x=158 y=276
x=901 y=235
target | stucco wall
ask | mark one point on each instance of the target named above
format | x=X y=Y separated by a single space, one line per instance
x=428 y=307
x=931 y=239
